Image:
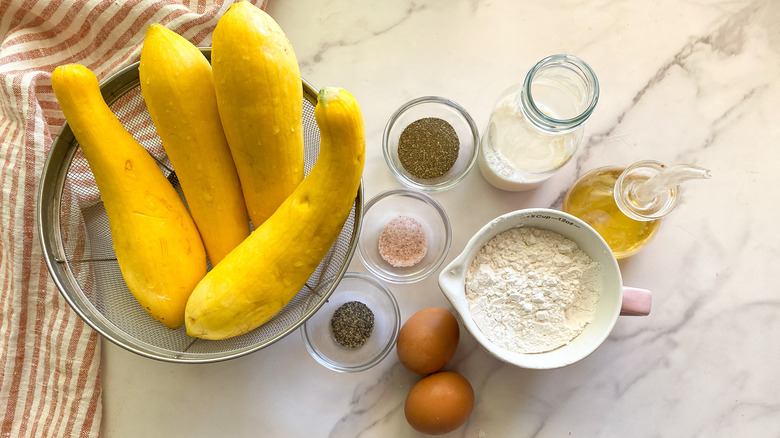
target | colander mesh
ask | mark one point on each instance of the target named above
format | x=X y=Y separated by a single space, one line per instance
x=90 y=259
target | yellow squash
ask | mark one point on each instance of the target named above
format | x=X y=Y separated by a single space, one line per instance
x=255 y=281
x=260 y=100
x=158 y=248
x=178 y=88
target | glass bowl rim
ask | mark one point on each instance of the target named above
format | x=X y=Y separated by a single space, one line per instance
x=386 y=349
x=445 y=185
x=427 y=199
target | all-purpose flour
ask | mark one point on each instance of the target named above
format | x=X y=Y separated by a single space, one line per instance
x=531 y=290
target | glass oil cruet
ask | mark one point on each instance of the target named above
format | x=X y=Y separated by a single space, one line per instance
x=536 y=126
x=625 y=205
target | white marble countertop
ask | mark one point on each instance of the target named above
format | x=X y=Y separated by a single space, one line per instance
x=681 y=82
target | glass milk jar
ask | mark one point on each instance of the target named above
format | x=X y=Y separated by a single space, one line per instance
x=536 y=126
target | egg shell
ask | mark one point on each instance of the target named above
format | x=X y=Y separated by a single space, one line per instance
x=439 y=403
x=428 y=340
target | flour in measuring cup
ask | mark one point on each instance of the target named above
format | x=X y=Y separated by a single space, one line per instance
x=531 y=290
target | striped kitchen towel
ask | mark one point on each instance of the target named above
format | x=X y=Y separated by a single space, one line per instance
x=49 y=358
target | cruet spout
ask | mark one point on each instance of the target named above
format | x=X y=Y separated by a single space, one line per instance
x=665 y=180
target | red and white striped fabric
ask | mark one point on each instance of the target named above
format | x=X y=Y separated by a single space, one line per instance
x=49 y=358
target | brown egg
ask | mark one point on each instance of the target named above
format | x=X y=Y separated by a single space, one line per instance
x=428 y=340
x=439 y=403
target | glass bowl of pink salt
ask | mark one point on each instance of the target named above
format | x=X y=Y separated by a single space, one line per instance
x=430 y=143
x=405 y=235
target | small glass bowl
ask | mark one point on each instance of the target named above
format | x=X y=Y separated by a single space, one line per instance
x=321 y=343
x=438 y=107
x=390 y=204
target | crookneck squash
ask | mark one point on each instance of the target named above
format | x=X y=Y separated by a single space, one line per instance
x=178 y=87
x=255 y=281
x=158 y=248
x=260 y=101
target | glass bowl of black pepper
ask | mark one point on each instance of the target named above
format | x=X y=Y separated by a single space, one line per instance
x=357 y=326
x=405 y=235
x=430 y=143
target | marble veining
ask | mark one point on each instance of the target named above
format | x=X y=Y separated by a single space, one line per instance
x=681 y=82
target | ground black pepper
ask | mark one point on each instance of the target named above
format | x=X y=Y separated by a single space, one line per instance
x=352 y=324
x=428 y=147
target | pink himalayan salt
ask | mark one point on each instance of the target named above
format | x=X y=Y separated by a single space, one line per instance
x=403 y=242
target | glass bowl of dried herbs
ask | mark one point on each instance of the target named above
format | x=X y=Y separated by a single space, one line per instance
x=430 y=143
x=405 y=235
x=356 y=328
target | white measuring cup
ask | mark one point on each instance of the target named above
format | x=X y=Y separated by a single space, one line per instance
x=615 y=300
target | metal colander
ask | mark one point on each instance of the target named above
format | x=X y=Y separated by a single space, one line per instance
x=78 y=248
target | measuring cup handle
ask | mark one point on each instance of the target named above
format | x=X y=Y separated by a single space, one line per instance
x=636 y=302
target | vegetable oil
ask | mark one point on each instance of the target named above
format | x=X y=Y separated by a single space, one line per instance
x=625 y=205
x=592 y=199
